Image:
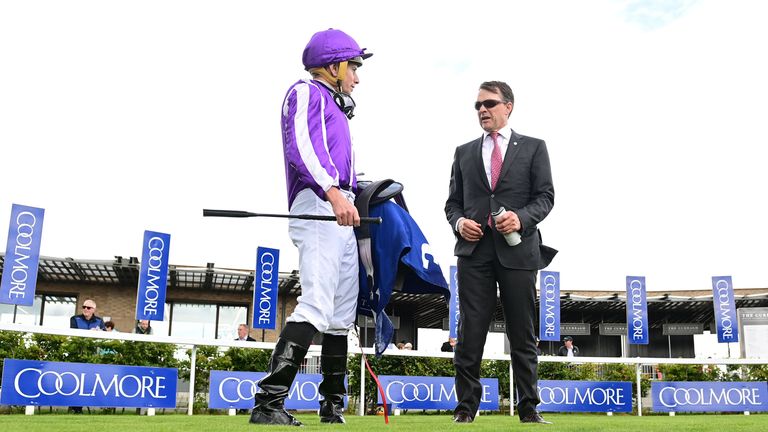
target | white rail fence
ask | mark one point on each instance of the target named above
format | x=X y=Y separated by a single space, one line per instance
x=314 y=351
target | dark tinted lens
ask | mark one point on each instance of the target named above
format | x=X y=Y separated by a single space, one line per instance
x=488 y=103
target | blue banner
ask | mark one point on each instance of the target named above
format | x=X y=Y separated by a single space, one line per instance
x=31 y=382
x=22 y=255
x=453 y=306
x=549 y=306
x=153 y=276
x=699 y=396
x=230 y=389
x=265 y=288
x=418 y=392
x=725 y=309
x=585 y=396
x=637 y=311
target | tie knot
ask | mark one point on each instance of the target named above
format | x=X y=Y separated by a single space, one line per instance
x=494 y=136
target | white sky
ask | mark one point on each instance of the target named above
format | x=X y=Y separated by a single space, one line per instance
x=118 y=117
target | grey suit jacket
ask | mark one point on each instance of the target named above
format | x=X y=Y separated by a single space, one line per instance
x=524 y=186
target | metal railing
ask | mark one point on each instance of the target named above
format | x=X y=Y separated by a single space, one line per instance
x=314 y=352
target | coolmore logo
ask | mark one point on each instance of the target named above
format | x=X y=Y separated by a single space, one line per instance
x=549 y=306
x=22 y=255
x=28 y=382
x=153 y=277
x=453 y=307
x=418 y=392
x=692 y=396
x=265 y=288
x=637 y=310
x=236 y=389
x=725 y=309
x=585 y=396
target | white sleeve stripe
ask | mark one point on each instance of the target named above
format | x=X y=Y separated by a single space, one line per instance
x=304 y=142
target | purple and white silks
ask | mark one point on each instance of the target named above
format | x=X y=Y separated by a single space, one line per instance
x=316 y=141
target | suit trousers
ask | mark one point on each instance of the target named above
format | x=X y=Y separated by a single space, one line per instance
x=478 y=275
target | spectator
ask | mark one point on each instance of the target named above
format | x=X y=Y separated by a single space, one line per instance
x=110 y=327
x=448 y=345
x=88 y=319
x=143 y=327
x=408 y=346
x=400 y=345
x=538 y=348
x=568 y=349
x=242 y=334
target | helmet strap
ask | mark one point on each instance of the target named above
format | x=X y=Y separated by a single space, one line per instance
x=342 y=100
x=342 y=74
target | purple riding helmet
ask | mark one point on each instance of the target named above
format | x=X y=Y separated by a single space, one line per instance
x=329 y=47
x=332 y=46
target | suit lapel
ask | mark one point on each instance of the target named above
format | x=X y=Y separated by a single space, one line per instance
x=477 y=155
x=513 y=146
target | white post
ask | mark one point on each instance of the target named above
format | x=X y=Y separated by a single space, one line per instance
x=29 y=410
x=609 y=413
x=192 y=363
x=232 y=411
x=150 y=412
x=638 y=367
x=511 y=391
x=671 y=413
x=746 y=412
x=361 y=404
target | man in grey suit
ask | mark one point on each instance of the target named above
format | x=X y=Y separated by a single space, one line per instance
x=499 y=169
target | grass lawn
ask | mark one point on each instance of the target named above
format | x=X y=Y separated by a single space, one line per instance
x=410 y=422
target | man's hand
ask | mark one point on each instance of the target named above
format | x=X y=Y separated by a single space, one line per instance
x=345 y=211
x=470 y=230
x=508 y=222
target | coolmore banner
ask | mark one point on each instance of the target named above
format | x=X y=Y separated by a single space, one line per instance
x=22 y=255
x=236 y=389
x=265 y=288
x=153 y=276
x=419 y=392
x=453 y=307
x=549 y=306
x=725 y=309
x=637 y=310
x=698 y=396
x=29 y=382
x=585 y=396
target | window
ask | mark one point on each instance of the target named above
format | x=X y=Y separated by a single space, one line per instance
x=47 y=310
x=229 y=318
x=193 y=320
x=203 y=321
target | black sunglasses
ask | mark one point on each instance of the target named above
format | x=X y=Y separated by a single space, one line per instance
x=87 y=307
x=488 y=103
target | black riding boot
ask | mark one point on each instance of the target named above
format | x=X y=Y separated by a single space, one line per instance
x=333 y=365
x=274 y=387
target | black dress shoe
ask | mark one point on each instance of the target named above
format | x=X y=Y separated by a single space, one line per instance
x=534 y=417
x=462 y=417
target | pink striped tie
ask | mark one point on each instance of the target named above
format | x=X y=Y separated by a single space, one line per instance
x=495 y=165
x=495 y=160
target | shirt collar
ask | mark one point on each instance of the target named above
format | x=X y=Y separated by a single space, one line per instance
x=505 y=133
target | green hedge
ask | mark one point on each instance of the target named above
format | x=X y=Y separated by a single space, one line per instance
x=690 y=372
x=46 y=347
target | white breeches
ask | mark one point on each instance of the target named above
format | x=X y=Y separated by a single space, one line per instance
x=328 y=266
